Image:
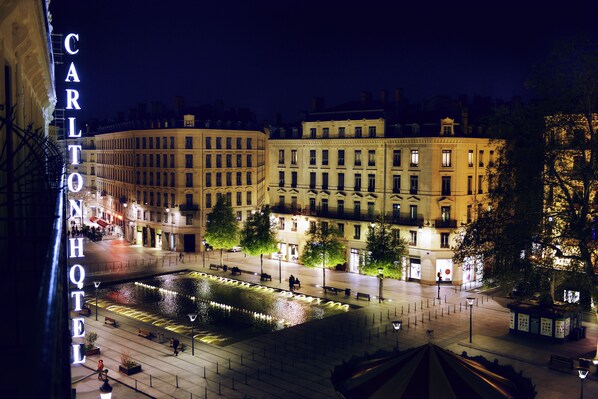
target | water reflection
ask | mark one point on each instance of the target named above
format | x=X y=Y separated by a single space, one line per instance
x=228 y=310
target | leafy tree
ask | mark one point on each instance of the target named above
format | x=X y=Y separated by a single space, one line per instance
x=385 y=249
x=258 y=236
x=323 y=248
x=222 y=229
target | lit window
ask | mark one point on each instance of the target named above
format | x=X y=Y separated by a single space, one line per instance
x=414 y=157
x=446 y=158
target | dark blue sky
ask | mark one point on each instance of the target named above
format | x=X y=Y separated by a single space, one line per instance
x=274 y=56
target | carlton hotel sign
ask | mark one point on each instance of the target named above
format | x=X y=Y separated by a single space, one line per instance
x=75 y=207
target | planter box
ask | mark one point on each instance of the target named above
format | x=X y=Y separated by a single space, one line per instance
x=92 y=351
x=129 y=370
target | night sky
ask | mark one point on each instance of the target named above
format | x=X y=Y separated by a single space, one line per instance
x=274 y=56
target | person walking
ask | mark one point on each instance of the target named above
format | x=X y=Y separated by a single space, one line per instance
x=100 y=368
x=291 y=282
x=175 y=345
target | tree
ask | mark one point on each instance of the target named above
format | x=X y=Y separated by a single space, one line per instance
x=385 y=249
x=258 y=235
x=323 y=248
x=222 y=229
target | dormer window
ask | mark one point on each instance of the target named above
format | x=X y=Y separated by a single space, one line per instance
x=447 y=127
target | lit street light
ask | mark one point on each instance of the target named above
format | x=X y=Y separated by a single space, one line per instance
x=583 y=373
x=97 y=285
x=470 y=303
x=397 y=327
x=169 y=237
x=192 y=317
x=380 y=278
x=279 y=267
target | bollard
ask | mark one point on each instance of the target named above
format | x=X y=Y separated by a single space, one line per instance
x=388 y=312
x=408 y=322
x=459 y=306
x=373 y=320
x=136 y=384
x=422 y=318
x=429 y=316
x=217 y=372
x=448 y=310
x=402 y=310
x=380 y=317
x=177 y=382
x=204 y=372
x=408 y=308
x=421 y=306
x=229 y=363
x=476 y=302
x=427 y=303
x=415 y=307
x=205 y=392
x=435 y=313
x=445 y=299
x=454 y=308
x=150 y=381
x=415 y=320
x=442 y=315
x=219 y=392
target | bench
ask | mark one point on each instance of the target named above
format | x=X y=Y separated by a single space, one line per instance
x=561 y=363
x=145 y=333
x=235 y=270
x=297 y=283
x=363 y=295
x=332 y=289
x=109 y=321
x=214 y=266
x=265 y=276
x=85 y=312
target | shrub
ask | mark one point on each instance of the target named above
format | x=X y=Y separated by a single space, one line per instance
x=126 y=360
x=90 y=340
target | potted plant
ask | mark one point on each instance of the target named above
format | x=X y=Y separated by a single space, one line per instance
x=90 y=344
x=127 y=365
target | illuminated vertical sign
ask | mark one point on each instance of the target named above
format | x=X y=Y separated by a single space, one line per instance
x=75 y=184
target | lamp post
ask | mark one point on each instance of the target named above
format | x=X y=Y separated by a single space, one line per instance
x=397 y=327
x=380 y=278
x=192 y=317
x=97 y=285
x=470 y=303
x=279 y=267
x=169 y=238
x=438 y=283
x=105 y=389
x=583 y=373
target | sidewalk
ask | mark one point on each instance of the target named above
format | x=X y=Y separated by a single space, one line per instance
x=296 y=362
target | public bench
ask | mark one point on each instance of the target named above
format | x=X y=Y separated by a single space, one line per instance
x=561 y=363
x=109 y=321
x=266 y=276
x=363 y=295
x=235 y=270
x=332 y=289
x=297 y=283
x=214 y=266
x=145 y=333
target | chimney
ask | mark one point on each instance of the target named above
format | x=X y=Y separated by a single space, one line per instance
x=365 y=97
x=383 y=97
x=317 y=104
x=465 y=120
x=398 y=95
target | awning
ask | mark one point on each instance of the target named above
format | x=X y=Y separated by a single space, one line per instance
x=93 y=219
x=102 y=222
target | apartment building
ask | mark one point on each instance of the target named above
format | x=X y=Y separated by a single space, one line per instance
x=353 y=168
x=158 y=183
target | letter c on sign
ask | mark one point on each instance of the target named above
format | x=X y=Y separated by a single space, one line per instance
x=67 y=43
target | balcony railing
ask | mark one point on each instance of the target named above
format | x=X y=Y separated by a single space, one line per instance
x=189 y=208
x=445 y=223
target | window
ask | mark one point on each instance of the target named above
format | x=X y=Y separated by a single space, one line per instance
x=325 y=181
x=414 y=157
x=341 y=158
x=357 y=157
x=372 y=158
x=144 y=160
x=357 y=208
x=239 y=179
x=239 y=198
x=138 y=160
x=480 y=191
x=218 y=143
x=469 y=185
x=189 y=220
x=341 y=208
x=188 y=143
x=229 y=179
x=172 y=180
x=164 y=143
x=281 y=223
x=137 y=142
x=172 y=143
x=281 y=157
x=445 y=213
x=172 y=160
x=396 y=158
x=239 y=216
x=248 y=198
x=372 y=131
x=248 y=176
x=358 y=182
x=158 y=179
x=446 y=185
x=490 y=157
x=468 y=213
x=357 y=232
x=312 y=204
x=413 y=184
x=249 y=143
x=396 y=213
x=229 y=143
x=371 y=183
x=293 y=205
x=396 y=184
x=312 y=157
x=324 y=157
x=371 y=210
x=446 y=158
x=413 y=212
x=229 y=160
x=144 y=141
x=413 y=238
x=341 y=132
x=239 y=141
x=312 y=133
x=341 y=229
x=324 y=206
x=447 y=130
x=341 y=181
x=239 y=161
x=325 y=133
x=151 y=160
x=293 y=179
x=280 y=179
x=249 y=160
x=470 y=158
x=188 y=161
x=218 y=179
x=188 y=179
x=151 y=202
x=481 y=158
x=293 y=157
x=312 y=180
x=164 y=160
x=358 y=133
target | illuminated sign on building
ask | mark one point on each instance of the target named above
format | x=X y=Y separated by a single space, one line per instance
x=75 y=184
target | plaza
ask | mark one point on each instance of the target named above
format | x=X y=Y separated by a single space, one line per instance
x=296 y=362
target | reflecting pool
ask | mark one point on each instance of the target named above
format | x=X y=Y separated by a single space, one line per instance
x=228 y=310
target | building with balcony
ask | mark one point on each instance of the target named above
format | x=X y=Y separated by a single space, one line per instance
x=354 y=167
x=158 y=182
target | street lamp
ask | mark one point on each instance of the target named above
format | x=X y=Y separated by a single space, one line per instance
x=105 y=389
x=192 y=317
x=583 y=373
x=438 y=282
x=397 y=327
x=97 y=285
x=380 y=278
x=279 y=267
x=169 y=238
x=470 y=303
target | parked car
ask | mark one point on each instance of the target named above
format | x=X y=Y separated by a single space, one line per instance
x=235 y=249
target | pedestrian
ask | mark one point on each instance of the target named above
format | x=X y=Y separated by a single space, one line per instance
x=175 y=345
x=100 y=368
x=181 y=256
x=291 y=282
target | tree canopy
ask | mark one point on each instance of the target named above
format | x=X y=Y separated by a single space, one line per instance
x=222 y=229
x=385 y=249
x=258 y=236
x=323 y=247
